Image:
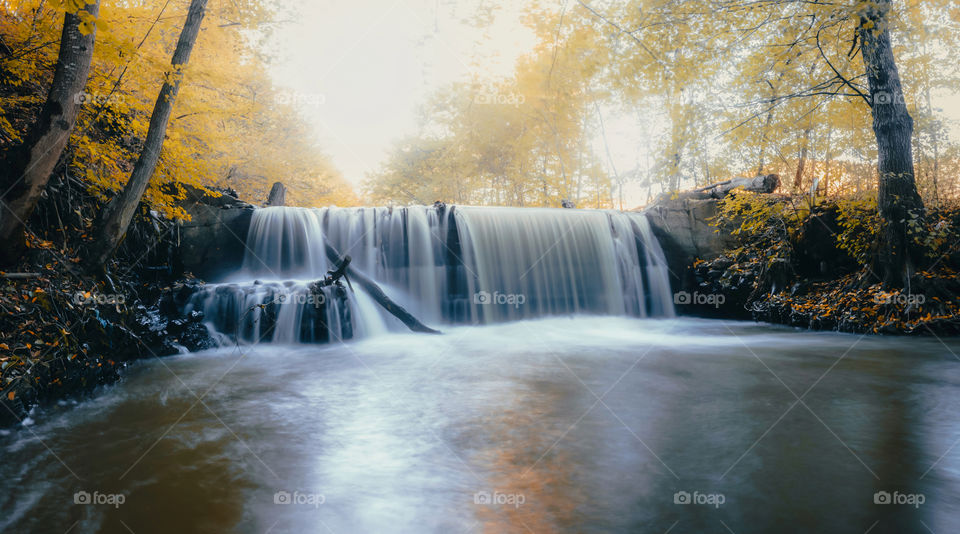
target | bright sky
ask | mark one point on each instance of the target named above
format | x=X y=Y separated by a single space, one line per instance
x=363 y=67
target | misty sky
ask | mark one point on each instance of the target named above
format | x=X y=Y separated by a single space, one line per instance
x=372 y=63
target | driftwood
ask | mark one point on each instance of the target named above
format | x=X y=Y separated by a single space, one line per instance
x=765 y=183
x=378 y=295
x=278 y=195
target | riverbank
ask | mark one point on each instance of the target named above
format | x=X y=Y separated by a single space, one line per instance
x=63 y=331
x=807 y=263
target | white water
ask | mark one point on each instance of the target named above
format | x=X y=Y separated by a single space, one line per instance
x=449 y=266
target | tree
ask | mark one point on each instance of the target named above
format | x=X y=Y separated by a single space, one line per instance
x=898 y=201
x=232 y=127
x=27 y=167
x=804 y=52
x=519 y=141
x=119 y=212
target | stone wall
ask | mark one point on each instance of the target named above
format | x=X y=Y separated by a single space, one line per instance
x=682 y=225
x=213 y=241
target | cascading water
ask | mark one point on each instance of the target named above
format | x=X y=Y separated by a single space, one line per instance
x=524 y=263
x=444 y=264
x=271 y=299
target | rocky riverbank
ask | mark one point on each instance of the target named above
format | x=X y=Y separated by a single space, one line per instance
x=803 y=262
x=63 y=331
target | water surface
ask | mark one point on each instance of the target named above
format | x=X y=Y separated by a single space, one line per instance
x=559 y=425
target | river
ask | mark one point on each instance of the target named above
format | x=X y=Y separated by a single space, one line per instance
x=586 y=424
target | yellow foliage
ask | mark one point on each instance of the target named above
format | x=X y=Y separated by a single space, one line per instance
x=230 y=128
x=521 y=141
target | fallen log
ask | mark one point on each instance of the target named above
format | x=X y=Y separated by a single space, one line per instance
x=374 y=290
x=765 y=183
x=333 y=276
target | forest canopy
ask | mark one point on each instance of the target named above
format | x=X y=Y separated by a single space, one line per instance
x=232 y=127
x=836 y=99
x=723 y=89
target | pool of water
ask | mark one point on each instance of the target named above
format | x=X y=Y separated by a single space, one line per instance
x=590 y=424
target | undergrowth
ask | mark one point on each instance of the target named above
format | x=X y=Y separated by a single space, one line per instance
x=807 y=262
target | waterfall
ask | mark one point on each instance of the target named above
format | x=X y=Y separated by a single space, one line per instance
x=456 y=264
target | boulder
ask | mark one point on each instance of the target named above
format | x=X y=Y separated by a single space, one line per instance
x=681 y=222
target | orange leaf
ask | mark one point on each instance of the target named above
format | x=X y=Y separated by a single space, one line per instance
x=11 y=395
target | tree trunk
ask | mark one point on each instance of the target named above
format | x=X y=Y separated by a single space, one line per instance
x=935 y=140
x=897 y=200
x=27 y=168
x=278 y=195
x=117 y=216
x=802 y=160
x=825 y=184
x=763 y=132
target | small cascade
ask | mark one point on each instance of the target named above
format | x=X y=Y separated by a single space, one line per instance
x=456 y=264
x=400 y=248
x=280 y=312
x=270 y=299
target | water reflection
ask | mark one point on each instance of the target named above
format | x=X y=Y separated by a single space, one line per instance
x=562 y=425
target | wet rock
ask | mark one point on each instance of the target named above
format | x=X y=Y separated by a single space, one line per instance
x=153 y=331
x=164 y=328
x=196 y=337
